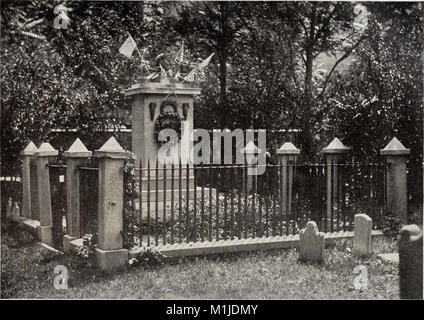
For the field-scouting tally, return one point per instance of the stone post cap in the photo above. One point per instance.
(250, 148)
(29, 150)
(335, 147)
(150, 87)
(77, 150)
(46, 150)
(111, 149)
(288, 148)
(409, 231)
(394, 147)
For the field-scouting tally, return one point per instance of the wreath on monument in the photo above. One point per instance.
(168, 120)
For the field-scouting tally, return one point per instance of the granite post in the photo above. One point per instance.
(396, 181)
(27, 154)
(109, 252)
(75, 155)
(287, 155)
(44, 230)
(333, 154)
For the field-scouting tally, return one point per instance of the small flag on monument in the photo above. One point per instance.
(128, 47)
(163, 73)
(205, 62)
(190, 77)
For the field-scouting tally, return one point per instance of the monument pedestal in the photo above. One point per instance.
(149, 101)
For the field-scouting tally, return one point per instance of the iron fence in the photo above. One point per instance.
(89, 186)
(57, 174)
(185, 203)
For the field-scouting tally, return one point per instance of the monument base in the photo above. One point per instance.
(45, 234)
(67, 242)
(111, 259)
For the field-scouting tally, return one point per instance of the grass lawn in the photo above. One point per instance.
(27, 272)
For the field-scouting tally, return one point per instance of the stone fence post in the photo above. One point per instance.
(250, 151)
(411, 262)
(287, 155)
(74, 157)
(27, 154)
(109, 252)
(44, 197)
(333, 154)
(396, 183)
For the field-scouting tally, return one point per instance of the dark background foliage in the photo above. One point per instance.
(277, 65)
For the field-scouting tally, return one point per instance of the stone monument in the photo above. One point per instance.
(150, 100)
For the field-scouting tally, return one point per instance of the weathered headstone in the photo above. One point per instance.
(9, 208)
(15, 211)
(411, 262)
(362, 235)
(312, 243)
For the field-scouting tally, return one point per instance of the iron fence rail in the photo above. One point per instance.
(57, 174)
(186, 203)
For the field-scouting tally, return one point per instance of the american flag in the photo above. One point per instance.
(205, 62)
(128, 47)
(199, 68)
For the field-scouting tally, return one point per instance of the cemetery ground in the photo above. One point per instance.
(27, 272)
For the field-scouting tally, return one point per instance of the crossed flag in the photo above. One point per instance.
(130, 45)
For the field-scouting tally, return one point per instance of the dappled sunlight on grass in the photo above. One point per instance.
(27, 272)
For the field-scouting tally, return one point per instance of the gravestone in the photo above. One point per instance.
(411, 262)
(9, 208)
(312, 243)
(362, 235)
(15, 211)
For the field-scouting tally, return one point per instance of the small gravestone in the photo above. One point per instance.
(15, 211)
(312, 243)
(9, 208)
(411, 262)
(362, 235)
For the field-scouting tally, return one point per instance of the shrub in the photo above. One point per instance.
(391, 226)
(88, 249)
(131, 192)
(148, 256)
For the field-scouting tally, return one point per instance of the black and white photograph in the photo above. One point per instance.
(211, 155)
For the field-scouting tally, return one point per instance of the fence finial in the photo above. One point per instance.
(395, 147)
(46, 150)
(29, 150)
(288, 148)
(111, 149)
(78, 150)
(250, 148)
(335, 146)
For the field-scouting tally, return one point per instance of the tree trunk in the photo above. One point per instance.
(306, 135)
(223, 88)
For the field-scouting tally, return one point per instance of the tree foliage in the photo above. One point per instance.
(266, 72)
